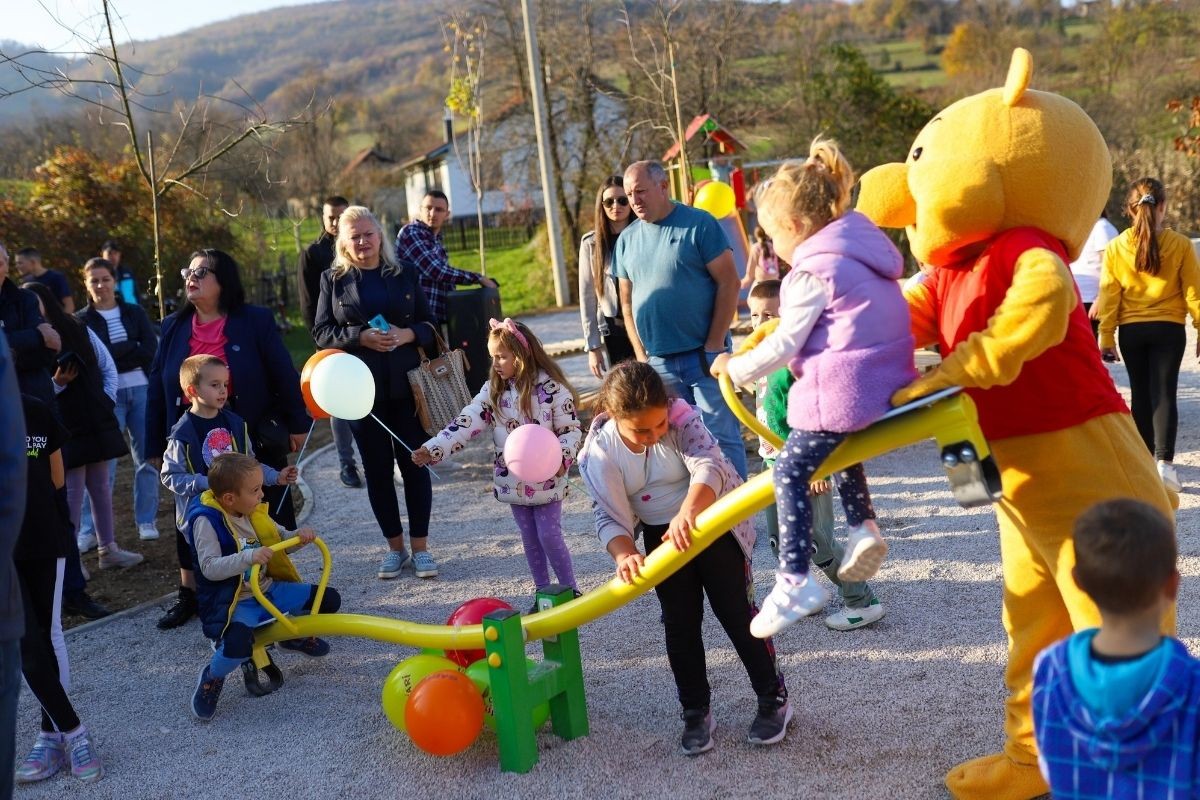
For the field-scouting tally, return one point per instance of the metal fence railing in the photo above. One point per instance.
(499, 231)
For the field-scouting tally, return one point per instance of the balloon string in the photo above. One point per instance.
(402, 444)
(299, 456)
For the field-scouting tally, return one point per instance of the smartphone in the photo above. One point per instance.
(69, 359)
(379, 323)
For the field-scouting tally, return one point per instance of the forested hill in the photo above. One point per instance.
(356, 47)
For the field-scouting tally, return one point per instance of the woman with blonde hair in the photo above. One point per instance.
(372, 307)
(1150, 282)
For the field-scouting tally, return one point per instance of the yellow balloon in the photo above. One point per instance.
(400, 683)
(716, 198)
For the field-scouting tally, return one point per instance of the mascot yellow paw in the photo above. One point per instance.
(996, 777)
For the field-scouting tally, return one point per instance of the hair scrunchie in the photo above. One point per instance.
(1147, 199)
(511, 327)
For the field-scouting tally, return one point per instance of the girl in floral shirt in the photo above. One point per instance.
(526, 387)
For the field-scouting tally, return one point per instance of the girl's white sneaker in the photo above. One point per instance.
(788, 601)
(865, 551)
(1170, 478)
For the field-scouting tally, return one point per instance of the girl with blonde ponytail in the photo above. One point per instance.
(844, 330)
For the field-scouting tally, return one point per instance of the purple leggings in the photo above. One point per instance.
(93, 477)
(541, 533)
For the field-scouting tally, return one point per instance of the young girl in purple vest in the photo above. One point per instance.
(844, 331)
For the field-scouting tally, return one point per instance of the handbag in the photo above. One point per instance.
(439, 385)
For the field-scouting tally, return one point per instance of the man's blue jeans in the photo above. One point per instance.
(131, 417)
(687, 375)
(343, 441)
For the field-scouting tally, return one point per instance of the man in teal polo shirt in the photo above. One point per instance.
(679, 289)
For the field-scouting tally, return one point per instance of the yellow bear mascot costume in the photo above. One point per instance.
(998, 193)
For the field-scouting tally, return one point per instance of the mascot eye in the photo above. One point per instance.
(916, 154)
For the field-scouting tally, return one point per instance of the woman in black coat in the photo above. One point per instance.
(366, 282)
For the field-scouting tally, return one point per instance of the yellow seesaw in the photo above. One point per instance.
(948, 417)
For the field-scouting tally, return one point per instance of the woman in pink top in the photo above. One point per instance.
(264, 387)
(763, 263)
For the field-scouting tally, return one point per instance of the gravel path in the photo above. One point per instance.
(883, 711)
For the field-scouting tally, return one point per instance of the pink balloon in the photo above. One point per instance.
(533, 453)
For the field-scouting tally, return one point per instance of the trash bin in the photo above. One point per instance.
(467, 315)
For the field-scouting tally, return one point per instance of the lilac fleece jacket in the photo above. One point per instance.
(844, 329)
(701, 455)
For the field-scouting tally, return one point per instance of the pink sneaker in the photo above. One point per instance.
(85, 759)
(47, 757)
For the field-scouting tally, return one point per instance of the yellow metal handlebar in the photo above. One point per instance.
(272, 609)
(730, 393)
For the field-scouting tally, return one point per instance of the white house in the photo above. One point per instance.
(514, 183)
(440, 169)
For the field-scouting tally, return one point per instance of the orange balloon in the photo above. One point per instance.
(444, 713)
(314, 410)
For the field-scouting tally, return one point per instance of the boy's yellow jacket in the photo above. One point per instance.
(217, 599)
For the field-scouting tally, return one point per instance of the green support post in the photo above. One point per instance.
(517, 690)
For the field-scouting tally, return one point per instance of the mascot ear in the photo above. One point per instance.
(1020, 72)
(884, 196)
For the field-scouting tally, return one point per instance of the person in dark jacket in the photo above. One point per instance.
(314, 260)
(264, 385)
(12, 513)
(35, 344)
(126, 332)
(32, 340)
(367, 282)
(86, 383)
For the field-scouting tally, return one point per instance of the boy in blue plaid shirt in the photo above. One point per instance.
(1116, 709)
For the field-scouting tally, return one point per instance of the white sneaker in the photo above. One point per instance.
(788, 602)
(849, 619)
(147, 532)
(865, 551)
(113, 556)
(86, 542)
(1170, 478)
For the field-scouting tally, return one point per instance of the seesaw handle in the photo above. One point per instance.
(272, 609)
(729, 392)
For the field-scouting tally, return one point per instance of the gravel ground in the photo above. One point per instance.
(881, 711)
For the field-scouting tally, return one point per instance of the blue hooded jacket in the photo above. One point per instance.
(1145, 748)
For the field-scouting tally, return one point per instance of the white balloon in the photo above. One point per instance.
(343, 386)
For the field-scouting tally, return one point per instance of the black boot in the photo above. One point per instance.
(82, 605)
(183, 610)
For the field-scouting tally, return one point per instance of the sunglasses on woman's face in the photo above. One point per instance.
(198, 273)
(609, 202)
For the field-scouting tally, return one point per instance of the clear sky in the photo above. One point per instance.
(33, 21)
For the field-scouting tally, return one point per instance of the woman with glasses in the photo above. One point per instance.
(372, 307)
(599, 305)
(264, 387)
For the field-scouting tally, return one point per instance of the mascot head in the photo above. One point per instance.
(1004, 158)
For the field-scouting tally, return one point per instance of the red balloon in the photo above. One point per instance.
(472, 613)
(314, 410)
(444, 713)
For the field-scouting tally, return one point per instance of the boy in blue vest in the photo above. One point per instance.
(228, 531)
(1116, 709)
